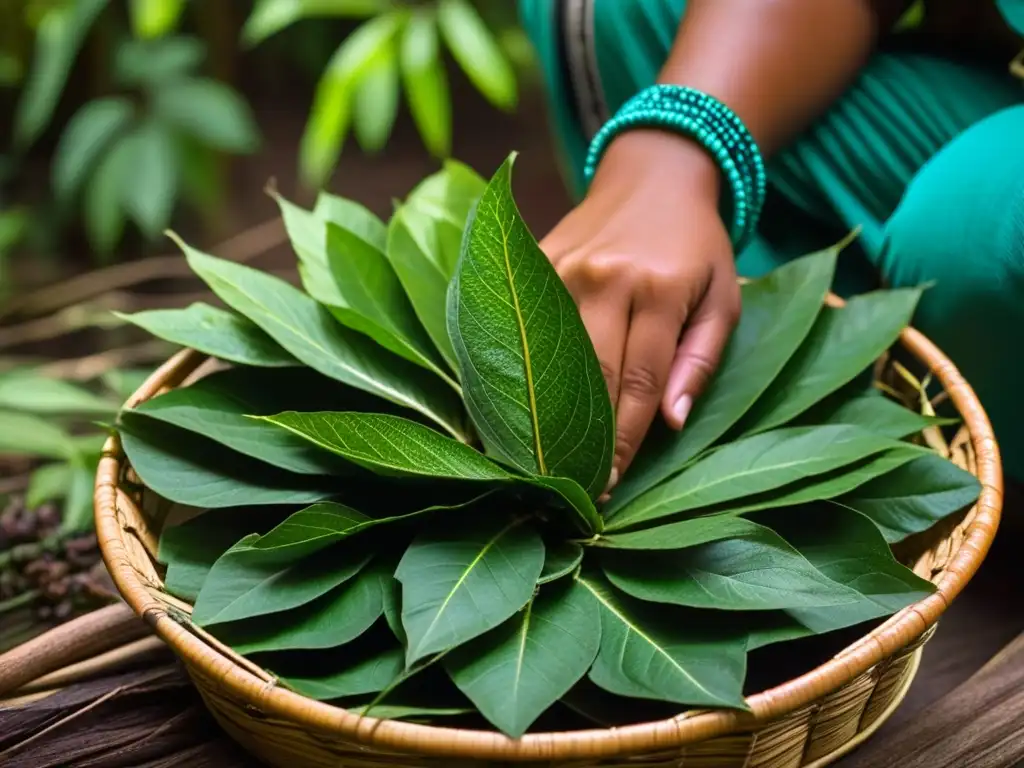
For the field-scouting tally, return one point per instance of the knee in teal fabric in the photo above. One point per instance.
(961, 226)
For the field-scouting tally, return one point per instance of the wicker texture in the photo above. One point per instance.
(804, 723)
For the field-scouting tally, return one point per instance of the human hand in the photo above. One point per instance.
(650, 264)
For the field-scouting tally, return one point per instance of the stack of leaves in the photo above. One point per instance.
(397, 480)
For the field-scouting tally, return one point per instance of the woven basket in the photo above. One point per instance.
(809, 721)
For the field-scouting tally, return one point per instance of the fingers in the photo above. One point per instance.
(700, 350)
(650, 348)
(606, 318)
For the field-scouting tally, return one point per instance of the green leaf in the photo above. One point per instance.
(414, 714)
(58, 39)
(842, 344)
(103, 199)
(685, 533)
(154, 18)
(193, 470)
(753, 465)
(393, 607)
(214, 332)
(245, 582)
(477, 52)
(86, 138)
(650, 653)
(271, 16)
(414, 250)
(356, 219)
(531, 378)
(77, 516)
(369, 675)
(220, 407)
(848, 549)
(149, 193)
(560, 559)
(758, 571)
(450, 195)
(778, 313)
(340, 616)
(123, 383)
(153, 62)
(875, 413)
(308, 331)
(461, 580)
(376, 100)
(915, 496)
(426, 84)
(515, 672)
(210, 111)
(26, 390)
(24, 434)
(49, 482)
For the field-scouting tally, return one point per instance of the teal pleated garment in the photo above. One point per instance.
(925, 154)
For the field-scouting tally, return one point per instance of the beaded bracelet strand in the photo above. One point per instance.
(711, 124)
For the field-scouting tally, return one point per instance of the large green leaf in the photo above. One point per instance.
(477, 52)
(841, 345)
(759, 571)
(353, 217)
(149, 193)
(210, 111)
(214, 332)
(450, 195)
(915, 496)
(532, 381)
(873, 412)
(779, 310)
(191, 469)
(356, 677)
(28, 390)
(308, 331)
(426, 85)
(683, 534)
(87, 136)
(462, 579)
(753, 465)
(652, 653)
(336, 618)
(847, 548)
(25, 434)
(515, 672)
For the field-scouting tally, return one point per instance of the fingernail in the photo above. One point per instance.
(613, 480)
(682, 409)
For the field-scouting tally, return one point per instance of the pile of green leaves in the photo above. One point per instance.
(396, 482)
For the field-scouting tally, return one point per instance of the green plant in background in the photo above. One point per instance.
(394, 491)
(399, 48)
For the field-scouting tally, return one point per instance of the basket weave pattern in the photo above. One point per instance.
(804, 723)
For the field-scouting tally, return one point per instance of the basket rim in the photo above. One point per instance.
(689, 727)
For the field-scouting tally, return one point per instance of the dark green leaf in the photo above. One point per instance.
(842, 344)
(86, 138)
(361, 676)
(463, 579)
(686, 533)
(150, 191)
(560, 559)
(393, 607)
(23, 434)
(153, 62)
(477, 52)
(759, 571)
(652, 653)
(875, 413)
(309, 332)
(753, 465)
(190, 469)
(426, 85)
(376, 100)
(210, 111)
(915, 496)
(515, 672)
(26, 390)
(532, 381)
(215, 332)
(778, 313)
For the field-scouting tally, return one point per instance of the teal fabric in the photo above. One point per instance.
(1013, 12)
(924, 154)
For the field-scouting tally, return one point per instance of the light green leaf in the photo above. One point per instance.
(245, 582)
(86, 138)
(778, 313)
(150, 191)
(49, 482)
(426, 84)
(308, 331)
(450, 195)
(648, 652)
(356, 219)
(27, 390)
(531, 379)
(875, 413)
(193, 470)
(154, 18)
(104, 196)
(515, 672)
(413, 714)
(58, 39)
(269, 17)
(336, 618)
(759, 571)
(369, 675)
(461, 580)
(753, 465)
(24, 434)
(123, 383)
(915, 496)
(685, 533)
(215, 332)
(210, 111)
(376, 100)
(842, 344)
(154, 62)
(477, 52)
(560, 559)
(77, 516)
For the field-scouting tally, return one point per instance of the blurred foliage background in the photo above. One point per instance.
(120, 119)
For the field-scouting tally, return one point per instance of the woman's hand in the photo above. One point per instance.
(650, 264)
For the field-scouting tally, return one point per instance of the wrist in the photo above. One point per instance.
(646, 153)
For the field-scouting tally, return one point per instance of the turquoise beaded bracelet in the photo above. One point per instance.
(711, 124)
